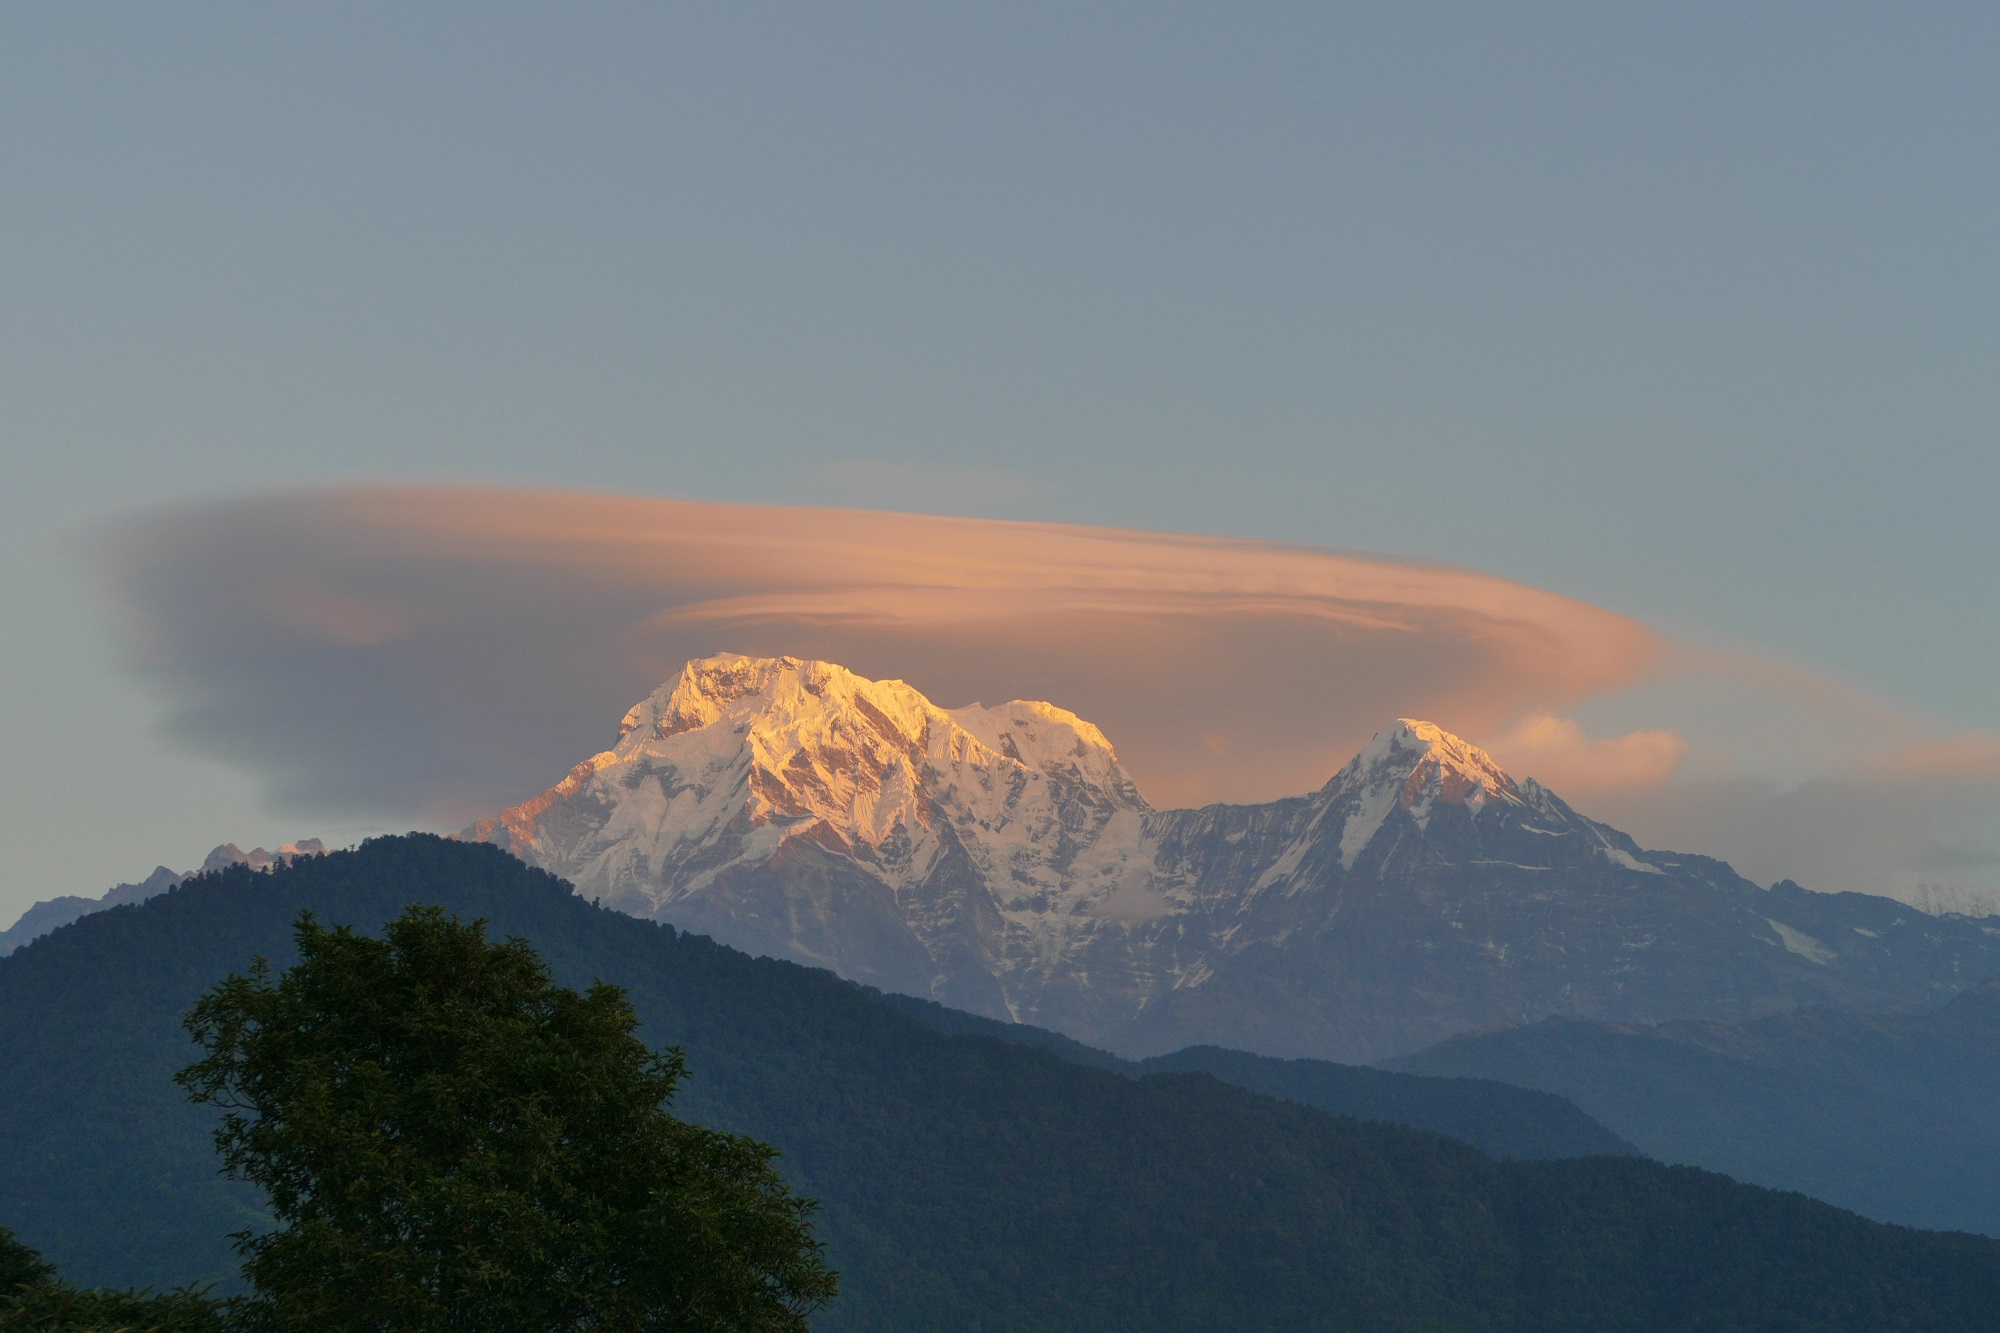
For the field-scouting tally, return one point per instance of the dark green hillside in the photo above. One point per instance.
(1497, 1118)
(1891, 1115)
(968, 1183)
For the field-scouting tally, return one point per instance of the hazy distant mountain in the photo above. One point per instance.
(52, 913)
(1001, 860)
(1497, 1118)
(1891, 1115)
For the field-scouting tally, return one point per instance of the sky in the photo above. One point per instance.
(1675, 322)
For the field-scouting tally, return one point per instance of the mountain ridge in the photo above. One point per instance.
(54, 913)
(1888, 1114)
(1002, 861)
(1501, 1120)
(965, 1182)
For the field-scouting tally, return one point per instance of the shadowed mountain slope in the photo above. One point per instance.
(1892, 1115)
(968, 1183)
(1497, 1118)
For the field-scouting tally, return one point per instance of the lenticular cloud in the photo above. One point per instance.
(447, 651)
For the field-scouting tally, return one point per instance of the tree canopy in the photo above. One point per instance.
(34, 1299)
(449, 1140)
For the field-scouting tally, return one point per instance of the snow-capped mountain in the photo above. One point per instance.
(741, 757)
(1002, 860)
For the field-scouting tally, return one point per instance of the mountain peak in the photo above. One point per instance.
(737, 756)
(709, 689)
(782, 699)
(1409, 738)
(1416, 766)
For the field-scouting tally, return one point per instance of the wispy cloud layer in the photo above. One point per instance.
(1558, 752)
(449, 650)
(437, 653)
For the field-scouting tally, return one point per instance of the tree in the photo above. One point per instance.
(448, 1140)
(33, 1299)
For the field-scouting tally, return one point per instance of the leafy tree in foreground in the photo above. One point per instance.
(448, 1140)
(34, 1300)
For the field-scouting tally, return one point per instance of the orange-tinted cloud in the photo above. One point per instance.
(1556, 752)
(1789, 773)
(1964, 756)
(449, 650)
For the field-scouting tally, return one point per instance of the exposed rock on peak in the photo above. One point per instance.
(1426, 764)
(1412, 767)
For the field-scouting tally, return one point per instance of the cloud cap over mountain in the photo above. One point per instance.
(446, 651)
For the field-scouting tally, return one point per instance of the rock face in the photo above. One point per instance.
(1001, 860)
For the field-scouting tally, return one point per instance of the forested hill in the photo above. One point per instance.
(968, 1183)
(1497, 1118)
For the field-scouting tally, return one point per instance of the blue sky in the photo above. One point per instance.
(1688, 312)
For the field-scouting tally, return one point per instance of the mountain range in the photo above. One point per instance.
(995, 872)
(1888, 1114)
(1002, 861)
(48, 914)
(966, 1182)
